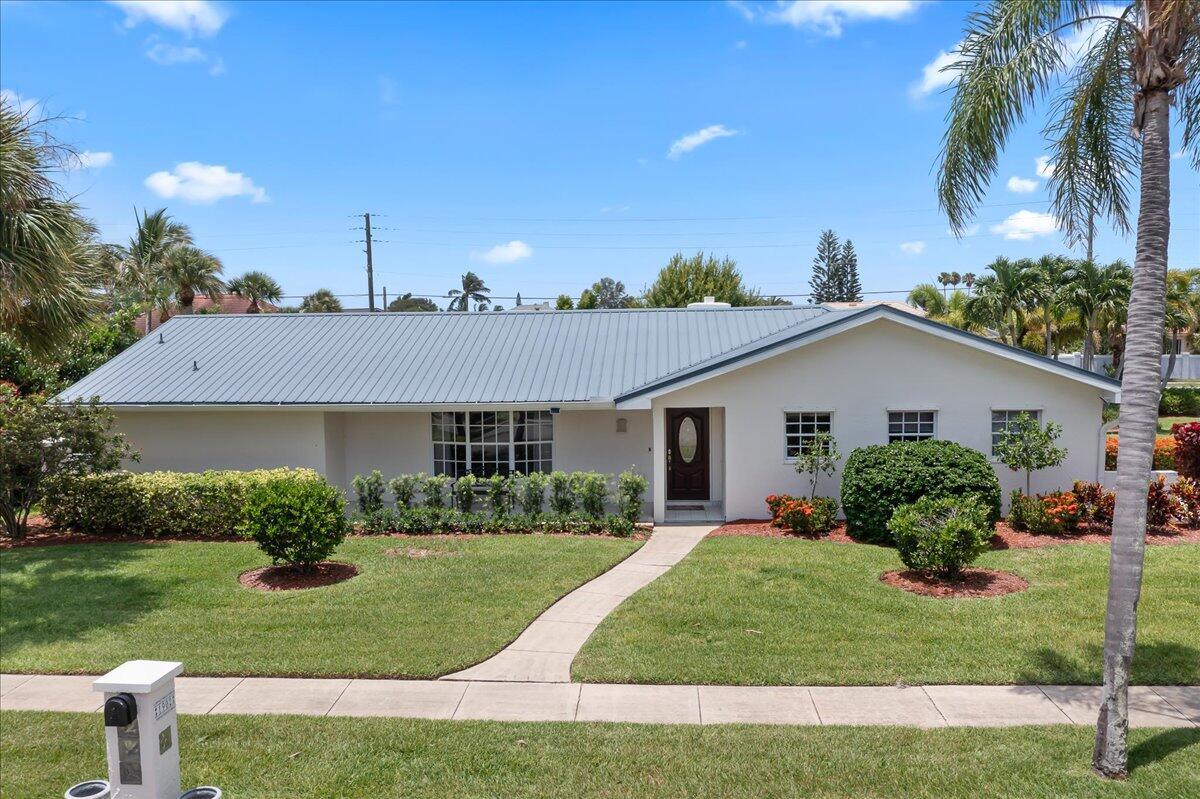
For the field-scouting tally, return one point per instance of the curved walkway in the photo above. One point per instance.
(544, 651)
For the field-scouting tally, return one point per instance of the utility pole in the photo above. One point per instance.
(385, 298)
(370, 271)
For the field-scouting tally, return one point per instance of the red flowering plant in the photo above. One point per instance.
(775, 503)
(807, 516)
(1046, 514)
(1187, 449)
(1187, 498)
(1165, 448)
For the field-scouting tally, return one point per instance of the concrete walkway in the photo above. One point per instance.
(544, 651)
(929, 706)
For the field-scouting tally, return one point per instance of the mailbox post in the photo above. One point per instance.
(140, 729)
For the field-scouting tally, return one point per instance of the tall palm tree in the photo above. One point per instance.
(145, 259)
(48, 253)
(1004, 296)
(321, 301)
(945, 279)
(1094, 291)
(258, 287)
(189, 271)
(1050, 273)
(472, 290)
(968, 280)
(1135, 65)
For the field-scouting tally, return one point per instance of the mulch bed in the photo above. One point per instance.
(42, 534)
(1006, 536)
(970, 583)
(290, 578)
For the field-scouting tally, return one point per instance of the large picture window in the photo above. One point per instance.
(910, 425)
(802, 427)
(1003, 421)
(492, 442)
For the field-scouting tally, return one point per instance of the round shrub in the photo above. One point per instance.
(941, 535)
(295, 520)
(878, 479)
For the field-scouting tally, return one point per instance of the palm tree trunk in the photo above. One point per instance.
(1049, 331)
(1140, 393)
(1089, 347)
(1174, 340)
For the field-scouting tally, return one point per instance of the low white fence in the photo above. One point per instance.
(1187, 367)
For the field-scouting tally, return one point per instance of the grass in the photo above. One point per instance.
(86, 608)
(785, 611)
(1165, 422)
(261, 757)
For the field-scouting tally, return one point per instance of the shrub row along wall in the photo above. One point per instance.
(571, 502)
(160, 504)
(1180, 401)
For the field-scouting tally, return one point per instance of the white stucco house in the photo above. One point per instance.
(709, 403)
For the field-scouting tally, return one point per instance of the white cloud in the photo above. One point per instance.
(967, 232)
(170, 54)
(827, 17)
(93, 160)
(189, 17)
(1021, 185)
(508, 253)
(20, 103)
(913, 247)
(934, 76)
(691, 141)
(1024, 225)
(1045, 169)
(1078, 39)
(195, 182)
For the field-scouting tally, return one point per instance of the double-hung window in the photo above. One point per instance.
(492, 442)
(800, 430)
(911, 425)
(1004, 421)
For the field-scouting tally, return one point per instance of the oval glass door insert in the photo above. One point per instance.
(687, 439)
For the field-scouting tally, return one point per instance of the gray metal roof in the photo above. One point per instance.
(429, 358)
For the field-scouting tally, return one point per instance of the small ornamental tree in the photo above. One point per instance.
(1027, 446)
(43, 442)
(818, 456)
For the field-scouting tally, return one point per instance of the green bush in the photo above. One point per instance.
(295, 520)
(941, 534)
(500, 494)
(434, 488)
(404, 487)
(878, 479)
(593, 489)
(532, 493)
(631, 489)
(562, 492)
(158, 504)
(464, 493)
(1180, 401)
(437, 521)
(369, 491)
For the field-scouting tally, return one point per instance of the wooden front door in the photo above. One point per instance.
(687, 453)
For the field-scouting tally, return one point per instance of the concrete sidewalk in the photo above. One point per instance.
(928, 706)
(544, 651)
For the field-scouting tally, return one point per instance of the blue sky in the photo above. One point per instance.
(540, 145)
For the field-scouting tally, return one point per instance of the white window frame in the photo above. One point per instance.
(786, 435)
(904, 436)
(1013, 415)
(467, 445)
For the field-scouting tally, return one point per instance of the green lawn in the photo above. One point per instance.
(1165, 422)
(86, 608)
(785, 611)
(260, 757)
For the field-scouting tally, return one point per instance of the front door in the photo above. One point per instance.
(687, 453)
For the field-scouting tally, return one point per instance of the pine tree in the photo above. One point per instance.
(826, 266)
(518, 298)
(851, 286)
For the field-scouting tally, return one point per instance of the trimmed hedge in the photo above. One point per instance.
(160, 504)
(432, 521)
(878, 479)
(1180, 401)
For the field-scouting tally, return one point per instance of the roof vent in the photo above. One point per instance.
(709, 302)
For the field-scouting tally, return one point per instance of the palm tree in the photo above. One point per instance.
(48, 253)
(968, 280)
(321, 301)
(258, 287)
(408, 302)
(1181, 312)
(945, 278)
(1094, 291)
(955, 279)
(1134, 67)
(1003, 297)
(927, 297)
(472, 290)
(1050, 273)
(144, 264)
(189, 271)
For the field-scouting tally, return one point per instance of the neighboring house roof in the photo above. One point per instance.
(426, 358)
(897, 304)
(229, 304)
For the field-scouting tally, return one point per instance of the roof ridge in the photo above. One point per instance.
(506, 312)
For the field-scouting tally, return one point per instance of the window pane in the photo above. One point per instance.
(801, 428)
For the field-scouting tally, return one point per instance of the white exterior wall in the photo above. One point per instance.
(902, 369)
(192, 440)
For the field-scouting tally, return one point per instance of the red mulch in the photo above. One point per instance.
(1005, 538)
(970, 583)
(288, 578)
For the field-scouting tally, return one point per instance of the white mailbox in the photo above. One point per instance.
(140, 729)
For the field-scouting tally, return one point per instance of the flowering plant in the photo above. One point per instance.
(1046, 514)
(1187, 497)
